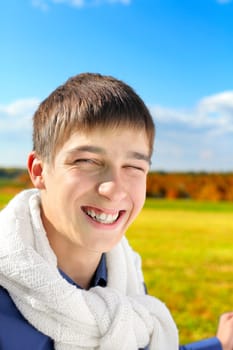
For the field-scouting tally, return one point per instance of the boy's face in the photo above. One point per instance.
(96, 186)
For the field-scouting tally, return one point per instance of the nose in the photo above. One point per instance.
(112, 190)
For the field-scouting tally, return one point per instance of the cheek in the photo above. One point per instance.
(138, 196)
(140, 203)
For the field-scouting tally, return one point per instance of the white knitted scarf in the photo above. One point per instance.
(118, 317)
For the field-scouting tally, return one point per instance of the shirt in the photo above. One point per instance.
(16, 333)
(206, 344)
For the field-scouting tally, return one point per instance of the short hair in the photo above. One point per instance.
(83, 103)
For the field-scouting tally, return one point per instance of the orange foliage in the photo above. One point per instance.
(202, 186)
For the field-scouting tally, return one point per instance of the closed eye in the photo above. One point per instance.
(87, 161)
(84, 160)
(136, 168)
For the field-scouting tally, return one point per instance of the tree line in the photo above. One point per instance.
(200, 186)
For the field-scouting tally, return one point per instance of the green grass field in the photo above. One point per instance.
(187, 252)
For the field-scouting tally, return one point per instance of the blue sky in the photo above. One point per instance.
(177, 54)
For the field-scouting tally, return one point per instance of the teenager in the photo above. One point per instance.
(69, 278)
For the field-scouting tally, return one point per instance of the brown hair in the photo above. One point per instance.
(85, 102)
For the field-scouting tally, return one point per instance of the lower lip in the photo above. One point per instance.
(103, 226)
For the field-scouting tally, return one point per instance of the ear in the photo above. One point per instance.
(35, 169)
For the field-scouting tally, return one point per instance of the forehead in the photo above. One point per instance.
(108, 140)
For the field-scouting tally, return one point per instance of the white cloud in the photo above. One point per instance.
(219, 102)
(214, 113)
(44, 4)
(198, 138)
(17, 115)
(16, 131)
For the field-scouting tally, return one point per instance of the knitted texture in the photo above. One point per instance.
(117, 317)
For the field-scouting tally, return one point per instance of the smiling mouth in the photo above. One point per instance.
(102, 217)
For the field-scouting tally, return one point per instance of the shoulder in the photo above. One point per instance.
(206, 344)
(12, 322)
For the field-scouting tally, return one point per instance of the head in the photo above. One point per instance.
(93, 140)
(86, 102)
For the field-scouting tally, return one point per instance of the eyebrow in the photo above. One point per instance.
(139, 155)
(87, 148)
(100, 150)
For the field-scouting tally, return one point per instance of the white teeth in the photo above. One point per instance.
(103, 217)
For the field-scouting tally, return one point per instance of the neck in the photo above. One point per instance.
(78, 266)
(76, 262)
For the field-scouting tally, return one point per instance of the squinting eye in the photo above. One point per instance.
(87, 161)
(84, 160)
(132, 167)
